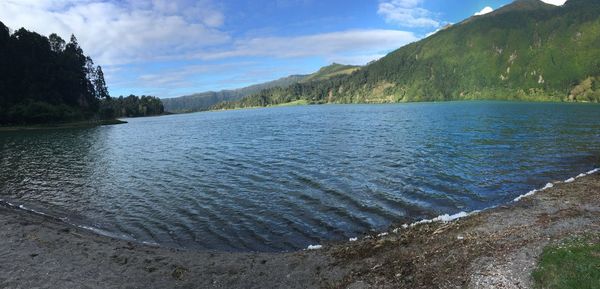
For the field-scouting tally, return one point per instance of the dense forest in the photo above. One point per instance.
(204, 100)
(527, 50)
(46, 79)
(131, 106)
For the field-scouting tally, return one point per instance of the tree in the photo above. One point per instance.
(90, 72)
(4, 67)
(4, 34)
(57, 44)
(100, 84)
(81, 93)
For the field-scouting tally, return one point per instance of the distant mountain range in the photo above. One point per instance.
(204, 100)
(527, 50)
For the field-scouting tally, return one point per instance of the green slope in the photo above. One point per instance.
(527, 50)
(330, 71)
(204, 100)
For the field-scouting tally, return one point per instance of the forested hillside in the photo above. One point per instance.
(203, 101)
(45, 79)
(527, 50)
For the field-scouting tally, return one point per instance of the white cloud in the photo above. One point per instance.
(407, 13)
(121, 32)
(329, 45)
(406, 3)
(172, 78)
(484, 11)
(134, 40)
(124, 31)
(555, 2)
(348, 47)
(358, 59)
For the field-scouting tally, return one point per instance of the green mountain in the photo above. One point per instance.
(527, 50)
(203, 101)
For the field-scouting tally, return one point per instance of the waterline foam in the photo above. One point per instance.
(446, 218)
(66, 220)
(533, 192)
(550, 185)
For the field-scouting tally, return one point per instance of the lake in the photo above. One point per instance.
(280, 179)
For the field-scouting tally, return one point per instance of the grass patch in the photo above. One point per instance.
(572, 264)
(292, 103)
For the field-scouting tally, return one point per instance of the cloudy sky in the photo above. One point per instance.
(171, 48)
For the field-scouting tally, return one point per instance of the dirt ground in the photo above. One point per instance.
(497, 248)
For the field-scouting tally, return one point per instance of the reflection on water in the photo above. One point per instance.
(283, 178)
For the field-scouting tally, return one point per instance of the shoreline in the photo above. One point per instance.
(498, 241)
(394, 228)
(66, 125)
(292, 104)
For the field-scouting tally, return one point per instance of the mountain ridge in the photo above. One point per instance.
(518, 53)
(204, 100)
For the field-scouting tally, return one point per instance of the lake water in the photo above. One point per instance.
(283, 178)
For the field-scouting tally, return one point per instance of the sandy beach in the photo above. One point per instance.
(496, 248)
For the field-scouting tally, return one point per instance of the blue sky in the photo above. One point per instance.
(171, 48)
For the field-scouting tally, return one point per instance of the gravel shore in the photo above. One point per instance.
(497, 248)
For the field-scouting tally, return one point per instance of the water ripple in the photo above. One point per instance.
(281, 179)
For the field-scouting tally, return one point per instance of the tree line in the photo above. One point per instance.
(131, 106)
(47, 79)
